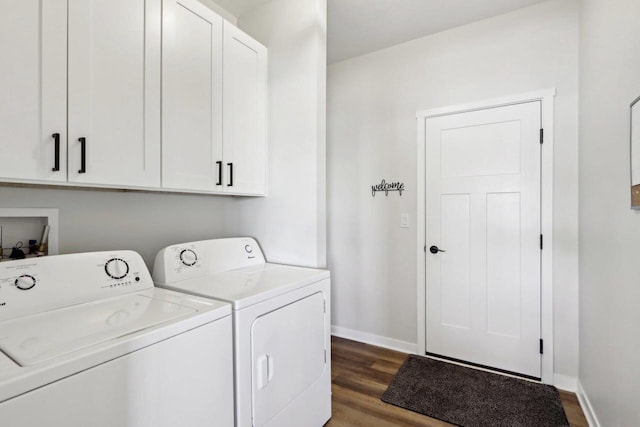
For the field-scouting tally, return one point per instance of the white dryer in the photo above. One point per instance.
(87, 340)
(281, 327)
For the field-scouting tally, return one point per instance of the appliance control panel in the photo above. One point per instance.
(198, 259)
(34, 285)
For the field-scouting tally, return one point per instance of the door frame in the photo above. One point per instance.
(546, 98)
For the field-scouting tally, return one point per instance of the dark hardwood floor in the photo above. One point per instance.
(362, 372)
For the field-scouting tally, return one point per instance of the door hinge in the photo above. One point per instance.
(425, 249)
(325, 356)
(541, 346)
(324, 306)
(541, 136)
(541, 242)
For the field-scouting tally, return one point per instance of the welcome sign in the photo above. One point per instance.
(386, 187)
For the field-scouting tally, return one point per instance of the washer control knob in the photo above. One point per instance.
(248, 248)
(188, 257)
(116, 268)
(25, 282)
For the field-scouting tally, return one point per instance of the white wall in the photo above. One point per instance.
(92, 220)
(290, 223)
(609, 230)
(372, 101)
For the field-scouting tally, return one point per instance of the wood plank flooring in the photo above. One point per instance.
(362, 372)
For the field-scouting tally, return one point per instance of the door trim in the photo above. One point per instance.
(546, 98)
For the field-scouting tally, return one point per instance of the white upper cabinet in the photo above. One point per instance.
(191, 97)
(245, 100)
(114, 92)
(142, 94)
(33, 90)
(214, 80)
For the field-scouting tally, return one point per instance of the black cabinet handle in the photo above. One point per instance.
(230, 184)
(83, 155)
(219, 173)
(56, 159)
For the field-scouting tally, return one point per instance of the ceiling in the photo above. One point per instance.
(357, 27)
(239, 7)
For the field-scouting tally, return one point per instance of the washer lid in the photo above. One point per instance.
(250, 285)
(34, 339)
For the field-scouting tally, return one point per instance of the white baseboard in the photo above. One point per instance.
(589, 413)
(565, 382)
(377, 340)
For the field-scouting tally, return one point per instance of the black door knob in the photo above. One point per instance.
(435, 250)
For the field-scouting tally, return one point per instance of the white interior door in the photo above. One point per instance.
(483, 211)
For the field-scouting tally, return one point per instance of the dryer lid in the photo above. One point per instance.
(38, 338)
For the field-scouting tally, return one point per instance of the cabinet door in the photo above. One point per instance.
(191, 97)
(33, 89)
(245, 98)
(114, 92)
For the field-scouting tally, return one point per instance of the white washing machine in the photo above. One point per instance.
(281, 324)
(87, 340)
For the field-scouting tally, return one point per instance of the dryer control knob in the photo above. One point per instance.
(248, 248)
(188, 257)
(116, 268)
(25, 282)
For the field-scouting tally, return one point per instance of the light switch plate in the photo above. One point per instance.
(404, 220)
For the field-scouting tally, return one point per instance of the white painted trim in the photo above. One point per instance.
(490, 103)
(546, 98)
(587, 408)
(546, 228)
(421, 241)
(377, 340)
(52, 220)
(565, 382)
